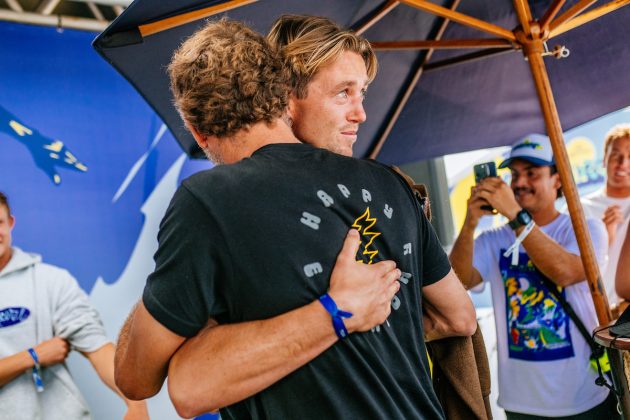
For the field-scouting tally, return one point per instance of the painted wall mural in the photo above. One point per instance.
(89, 169)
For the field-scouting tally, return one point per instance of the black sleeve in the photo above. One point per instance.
(435, 263)
(183, 291)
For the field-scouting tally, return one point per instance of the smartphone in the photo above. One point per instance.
(485, 170)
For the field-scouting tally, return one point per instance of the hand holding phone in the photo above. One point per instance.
(482, 171)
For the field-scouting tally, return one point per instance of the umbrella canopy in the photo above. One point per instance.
(465, 99)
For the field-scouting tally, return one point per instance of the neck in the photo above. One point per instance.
(244, 143)
(615, 192)
(5, 258)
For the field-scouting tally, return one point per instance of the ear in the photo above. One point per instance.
(557, 183)
(292, 106)
(201, 139)
(11, 221)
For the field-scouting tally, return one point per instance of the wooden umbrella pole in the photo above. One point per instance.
(533, 51)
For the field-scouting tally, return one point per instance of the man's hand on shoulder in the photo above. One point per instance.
(364, 290)
(53, 351)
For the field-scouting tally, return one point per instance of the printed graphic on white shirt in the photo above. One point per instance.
(538, 327)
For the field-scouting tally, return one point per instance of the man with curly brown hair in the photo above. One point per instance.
(300, 332)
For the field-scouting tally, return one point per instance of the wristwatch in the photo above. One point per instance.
(522, 219)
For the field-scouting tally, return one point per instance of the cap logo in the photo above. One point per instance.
(527, 143)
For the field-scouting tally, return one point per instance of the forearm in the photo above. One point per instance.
(461, 257)
(447, 310)
(103, 362)
(436, 328)
(228, 363)
(562, 267)
(13, 366)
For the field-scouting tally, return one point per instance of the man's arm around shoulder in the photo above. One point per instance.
(225, 364)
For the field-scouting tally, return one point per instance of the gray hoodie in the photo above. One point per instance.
(37, 302)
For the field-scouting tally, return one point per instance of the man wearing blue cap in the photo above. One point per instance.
(543, 359)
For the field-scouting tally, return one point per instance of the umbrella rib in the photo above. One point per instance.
(184, 18)
(410, 87)
(461, 18)
(587, 17)
(380, 14)
(573, 11)
(442, 44)
(550, 14)
(465, 58)
(524, 15)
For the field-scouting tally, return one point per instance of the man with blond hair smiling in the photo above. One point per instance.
(328, 67)
(611, 204)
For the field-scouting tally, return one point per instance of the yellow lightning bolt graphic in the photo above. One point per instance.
(364, 224)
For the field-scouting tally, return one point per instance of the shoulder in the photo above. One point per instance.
(597, 228)
(595, 196)
(52, 274)
(594, 203)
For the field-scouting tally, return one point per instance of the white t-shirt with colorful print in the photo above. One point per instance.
(543, 359)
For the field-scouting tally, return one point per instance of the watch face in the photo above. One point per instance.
(524, 217)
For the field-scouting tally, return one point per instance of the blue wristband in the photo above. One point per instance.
(37, 372)
(337, 315)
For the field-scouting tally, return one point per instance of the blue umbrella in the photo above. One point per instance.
(465, 99)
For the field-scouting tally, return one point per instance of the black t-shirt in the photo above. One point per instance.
(259, 238)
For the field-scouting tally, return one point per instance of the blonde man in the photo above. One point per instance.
(612, 205)
(326, 64)
(303, 333)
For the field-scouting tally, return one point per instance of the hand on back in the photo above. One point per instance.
(364, 290)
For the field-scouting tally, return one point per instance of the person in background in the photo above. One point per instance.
(611, 204)
(43, 315)
(543, 359)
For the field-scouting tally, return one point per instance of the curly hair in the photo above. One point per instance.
(620, 131)
(226, 77)
(309, 43)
